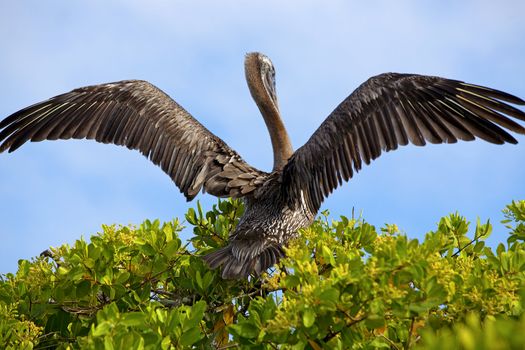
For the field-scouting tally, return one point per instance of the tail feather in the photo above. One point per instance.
(235, 268)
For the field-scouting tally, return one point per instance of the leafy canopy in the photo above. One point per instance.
(344, 285)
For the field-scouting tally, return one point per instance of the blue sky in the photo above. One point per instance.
(54, 192)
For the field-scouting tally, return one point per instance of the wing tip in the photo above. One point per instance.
(498, 94)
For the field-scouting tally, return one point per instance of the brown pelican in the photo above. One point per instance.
(386, 111)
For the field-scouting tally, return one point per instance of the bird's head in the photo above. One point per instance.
(261, 73)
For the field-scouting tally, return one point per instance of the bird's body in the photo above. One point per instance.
(383, 113)
(267, 224)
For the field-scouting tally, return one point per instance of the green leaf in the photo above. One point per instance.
(168, 231)
(244, 330)
(102, 329)
(191, 336)
(198, 279)
(478, 247)
(500, 249)
(380, 343)
(308, 318)
(148, 250)
(89, 263)
(329, 298)
(108, 343)
(166, 343)
(172, 247)
(196, 315)
(132, 319)
(191, 217)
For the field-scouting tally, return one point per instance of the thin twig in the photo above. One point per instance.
(392, 344)
(460, 249)
(410, 331)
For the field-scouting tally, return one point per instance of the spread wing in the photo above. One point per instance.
(138, 115)
(389, 110)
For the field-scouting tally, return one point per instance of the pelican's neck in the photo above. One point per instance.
(261, 84)
(281, 145)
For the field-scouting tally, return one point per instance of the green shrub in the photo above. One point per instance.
(344, 285)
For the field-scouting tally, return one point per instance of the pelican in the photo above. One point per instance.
(386, 111)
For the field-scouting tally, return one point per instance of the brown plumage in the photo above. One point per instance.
(386, 111)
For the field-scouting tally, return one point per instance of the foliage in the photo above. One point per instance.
(343, 285)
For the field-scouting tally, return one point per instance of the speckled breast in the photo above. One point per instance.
(270, 218)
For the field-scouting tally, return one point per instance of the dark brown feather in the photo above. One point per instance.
(390, 110)
(139, 116)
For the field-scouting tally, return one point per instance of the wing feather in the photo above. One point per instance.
(390, 110)
(140, 116)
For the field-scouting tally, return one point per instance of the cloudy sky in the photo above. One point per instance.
(54, 192)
